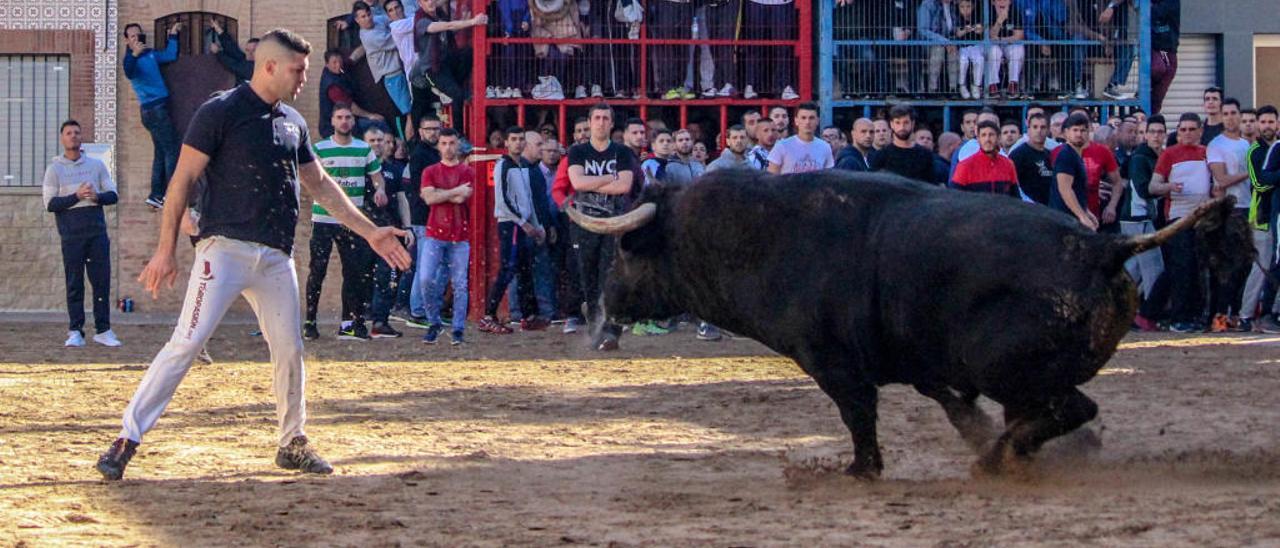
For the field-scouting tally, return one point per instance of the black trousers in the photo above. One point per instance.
(516, 251)
(357, 269)
(564, 259)
(92, 254)
(669, 20)
(1184, 277)
(595, 254)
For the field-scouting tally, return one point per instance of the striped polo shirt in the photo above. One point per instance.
(348, 165)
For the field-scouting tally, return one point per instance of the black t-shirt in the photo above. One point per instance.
(611, 161)
(913, 163)
(254, 149)
(421, 156)
(392, 174)
(1010, 24)
(1070, 163)
(1035, 172)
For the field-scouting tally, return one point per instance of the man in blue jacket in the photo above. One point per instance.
(142, 68)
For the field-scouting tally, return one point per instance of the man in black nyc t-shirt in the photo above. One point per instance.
(254, 150)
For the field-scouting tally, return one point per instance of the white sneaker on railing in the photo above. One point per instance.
(726, 91)
(490, 92)
(749, 92)
(74, 339)
(789, 94)
(964, 92)
(596, 91)
(580, 92)
(107, 338)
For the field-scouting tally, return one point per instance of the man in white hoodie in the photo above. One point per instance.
(75, 189)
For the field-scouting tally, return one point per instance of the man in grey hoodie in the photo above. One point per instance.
(75, 189)
(734, 155)
(518, 231)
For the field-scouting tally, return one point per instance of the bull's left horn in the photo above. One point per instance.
(621, 224)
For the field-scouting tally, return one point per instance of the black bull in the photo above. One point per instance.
(868, 279)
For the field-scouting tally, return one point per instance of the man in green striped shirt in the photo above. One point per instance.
(348, 160)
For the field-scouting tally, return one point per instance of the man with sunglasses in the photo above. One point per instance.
(1182, 173)
(422, 154)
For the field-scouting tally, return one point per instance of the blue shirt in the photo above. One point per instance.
(143, 73)
(1069, 162)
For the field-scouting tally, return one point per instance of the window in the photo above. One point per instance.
(35, 98)
(196, 35)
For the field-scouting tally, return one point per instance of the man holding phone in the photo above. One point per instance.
(142, 68)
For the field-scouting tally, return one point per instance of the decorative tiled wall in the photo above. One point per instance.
(98, 16)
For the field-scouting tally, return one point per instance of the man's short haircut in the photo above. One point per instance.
(1010, 122)
(1213, 89)
(513, 130)
(384, 4)
(737, 127)
(988, 124)
(807, 105)
(1268, 109)
(1231, 101)
(1037, 116)
(1060, 116)
(67, 123)
(373, 129)
(776, 107)
(580, 120)
(290, 40)
(987, 110)
(256, 40)
(1077, 119)
(359, 6)
(902, 110)
(342, 106)
(427, 118)
(833, 126)
(604, 107)
(1252, 111)
(128, 26)
(662, 131)
(448, 132)
(635, 121)
(743, 118)
(1189, 117)
(1080, 109)
(1157, 119)
(1137, 110)
(682, 130)
(331, 53)
(967, 112)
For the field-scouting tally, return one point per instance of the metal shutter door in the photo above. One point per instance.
(1197, 70)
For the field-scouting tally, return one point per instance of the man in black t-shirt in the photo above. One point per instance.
(1032, 160)
(422, 154)
(601, 174)
(395, 213)
(904, 157)
(253, 150)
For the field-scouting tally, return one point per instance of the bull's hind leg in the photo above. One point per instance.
(1029, 426)
(856, 398)
(974, 425)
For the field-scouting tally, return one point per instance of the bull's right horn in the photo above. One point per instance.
(621, 224)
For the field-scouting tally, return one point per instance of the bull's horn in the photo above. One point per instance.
(614, 225)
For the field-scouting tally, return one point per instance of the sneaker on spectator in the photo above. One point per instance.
(580, 92)
(492, 325)
(596, 91)
(490, 92)
(74, 338)
(1245, 325)
(1014, 93)
(1219, 324)
(156, 202)
(534, 324)
(354, 332)
(112, 463)
(686, 93)
(399, 314)
(300, 455)
(710, 93)
(975, 91)
(993, 91)
(107, 338)
(789, 94)
(1268, 324)
(548, 90)
(1113, 92)
(708, 332)
(671, 94)
(648, 328)
(433, 334)
(572, 324)
(456, 338)
(417, 322)
(964, 92)
(726, 91)
(1145, 324)
(309, 331)
(516, 94)
(383, 330)
(749, 92)
(1081, 93)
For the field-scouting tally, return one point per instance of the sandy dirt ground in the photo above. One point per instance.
(534, 440)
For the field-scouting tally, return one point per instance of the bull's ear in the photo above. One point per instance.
(646, 240)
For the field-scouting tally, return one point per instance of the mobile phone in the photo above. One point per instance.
(142, 37)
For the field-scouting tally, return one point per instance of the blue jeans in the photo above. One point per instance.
(1124, 61)
(398, 88)
(165, 145)
(458, 255)
(418, 290)
(544, 285)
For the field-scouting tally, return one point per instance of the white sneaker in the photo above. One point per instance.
(1081, 93)
(726, 91)
(964, 93)
(490, 92)
(74, 338)
(516, 94)
(749, 92)
(596, 91)
(580, 92)
(107, 338)
(710, 92)
(789, 94)
(975, 91)
(204, 356)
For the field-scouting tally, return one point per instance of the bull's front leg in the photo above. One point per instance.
(856, 397)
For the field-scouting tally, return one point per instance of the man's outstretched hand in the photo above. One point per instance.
(385, 241)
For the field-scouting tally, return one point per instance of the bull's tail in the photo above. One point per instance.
(1214, 213)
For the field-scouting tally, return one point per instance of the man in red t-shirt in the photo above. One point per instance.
(989, 170)
(446, 187)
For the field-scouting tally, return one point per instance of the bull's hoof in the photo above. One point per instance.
(864, 472)
(1082, 442)
(1001, 461)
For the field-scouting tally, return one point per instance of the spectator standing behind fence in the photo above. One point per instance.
(336, 89)
(1166, 30)
(936, 21)
(1182, 172)
(383, 57)
(142, 68)
(734, 155)
(1228, 163)
(75, 189)
(544, 275)
(834, 137)
(969, 28)
(446, 188)
(1264, 175)
(1137, 216)
(724, 20)
(423, 153)
(1031, 159)
(518, 230)
(1069, 194)
(770, 69)
(987, 171)
(1010, 134)
(1006, 31)
(1115, 18)
(238, 61)
(882, 134)
(394, 212)
(903, 156)
(856, 156)
(802, 152)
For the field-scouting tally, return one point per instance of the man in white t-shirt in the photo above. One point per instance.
(802, 152)
(1228, 162)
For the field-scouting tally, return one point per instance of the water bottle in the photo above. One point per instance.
(695, 29)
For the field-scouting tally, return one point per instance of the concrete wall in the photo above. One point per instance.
(1236, 21)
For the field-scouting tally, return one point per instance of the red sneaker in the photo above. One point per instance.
(1144, 324)
(491, 325)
